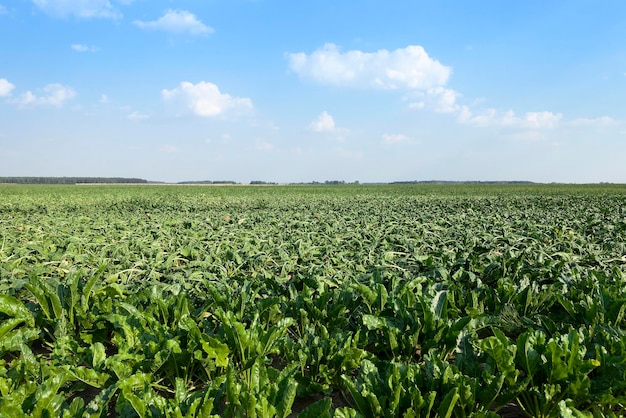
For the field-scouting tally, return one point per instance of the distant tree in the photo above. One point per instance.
(70, 180)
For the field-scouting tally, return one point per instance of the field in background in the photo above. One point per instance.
(345, 301)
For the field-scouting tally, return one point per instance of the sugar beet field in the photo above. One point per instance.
(313, 301)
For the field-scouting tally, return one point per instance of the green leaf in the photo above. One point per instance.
(287, 389)
(47, 397)
(76, 408)
(373, 322)
(346, 412)
(99, 355)
(439, 305)
(15, 309)
(319, 409)
(216, 350)
(446, 408)
(8, 325)
(86, 375)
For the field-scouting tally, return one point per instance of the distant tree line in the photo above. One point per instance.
(70, 180)
(459, 182)
(208, 182)
(327, 182)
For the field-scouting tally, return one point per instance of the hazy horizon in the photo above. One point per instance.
(291, 92)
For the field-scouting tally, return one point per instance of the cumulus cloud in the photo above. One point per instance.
(492, 117)
(404, 68)
(423, 80)
(178, 22)
(84, 9)
(53, 95)
(445, 99)
(205, 99)
(5, 87)
(439, 99)
(394, 138)
(83, 48)
(323, 123)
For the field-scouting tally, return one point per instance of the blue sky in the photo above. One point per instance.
(288, 91)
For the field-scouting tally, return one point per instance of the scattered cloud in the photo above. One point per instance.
(602, 121)
(83, 9)
(5, 87)
(492, 117)
(394, 138)
(3, 10)
(83, 48)
(264, 146)
(205, 99)
(323, 123)
(170, 149)
(539, 120)
(404, 68)
(445, 99)
(138, 116)
(411, 69)
(178, 22)
(439, 99)
(53, 95)
(104, 99)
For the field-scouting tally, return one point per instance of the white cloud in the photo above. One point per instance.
(602, 121)
(83, 48)
(205, 99)
(104, 99)
(445, 99)
(323, 123)
(3, 10)
(491, 117)
(170, 149)
(541, 120)
(5, 87)
(138, 116)
(406, 68)
(394, 138)
(54, 95)
(439, 99)
(84, 9)
(264, 146)
(177, 21)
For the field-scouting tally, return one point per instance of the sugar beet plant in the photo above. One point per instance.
(361, 301)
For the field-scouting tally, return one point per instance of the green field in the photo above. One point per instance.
(313, 301)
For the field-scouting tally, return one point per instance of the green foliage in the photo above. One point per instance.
(343, 301)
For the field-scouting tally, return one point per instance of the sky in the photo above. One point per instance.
(298, 91)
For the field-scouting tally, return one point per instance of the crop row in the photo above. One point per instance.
(343, 302)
